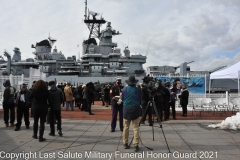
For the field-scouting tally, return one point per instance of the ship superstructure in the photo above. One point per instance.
(105, 58)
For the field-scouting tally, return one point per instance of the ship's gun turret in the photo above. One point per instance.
(184, 69)
(182, 63)
(216, 69)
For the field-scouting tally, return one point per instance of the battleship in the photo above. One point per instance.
(100, 62)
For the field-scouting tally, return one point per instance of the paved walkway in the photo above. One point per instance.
(89, 137)
(92, 139)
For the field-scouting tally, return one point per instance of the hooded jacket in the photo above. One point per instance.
(9, 93)
(55, 98)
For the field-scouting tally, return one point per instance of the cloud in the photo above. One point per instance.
(171, 31)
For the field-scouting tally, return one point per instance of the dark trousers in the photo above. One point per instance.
(159, 107)
(79, 102)
(166, 111)
(184, 109)
(7, 108)
(20, 112)
(84, 105)
(55, 114)
(115, 111)
(102, 98)
(89, 106)
(36, 116)
(147, 112)
(172, 104)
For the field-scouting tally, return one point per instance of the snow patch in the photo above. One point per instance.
(232, 123)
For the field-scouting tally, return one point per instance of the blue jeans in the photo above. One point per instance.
(69, 103)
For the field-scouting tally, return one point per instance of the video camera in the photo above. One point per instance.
(153, 85)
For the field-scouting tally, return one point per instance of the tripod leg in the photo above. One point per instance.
(160, 123)
(158, 117)
(152, 122)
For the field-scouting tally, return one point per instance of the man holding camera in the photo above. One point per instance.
(115, 92)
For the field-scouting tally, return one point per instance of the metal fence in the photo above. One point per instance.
(16, 81)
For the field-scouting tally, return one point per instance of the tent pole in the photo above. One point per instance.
(209, 85)
(238, 83)
(206, 87)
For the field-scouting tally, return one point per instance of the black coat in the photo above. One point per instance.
(89, 92)
(26, 93)
(40, 100)
(9, 93)
(106, 94)
(79, 92)
(184, 97)
(55, 98)
(145, 96)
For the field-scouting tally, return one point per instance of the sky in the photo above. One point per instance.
(169, 32)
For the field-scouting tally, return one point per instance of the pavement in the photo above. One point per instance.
(92, 139)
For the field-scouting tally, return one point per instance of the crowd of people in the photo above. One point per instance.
(130, 103)
(46, 100)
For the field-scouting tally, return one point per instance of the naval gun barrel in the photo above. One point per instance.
(216, 69)
(186, 62)
(6, 54)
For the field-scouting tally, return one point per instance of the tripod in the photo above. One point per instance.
(153, 105)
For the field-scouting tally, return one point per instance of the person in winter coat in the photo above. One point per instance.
(23, 104)
(144, 103)
(107, 94)
(84, 105)
(89, 96)
(9, 103)
(184, 94)
(55, 100)
(115, 93)
(69, 96)
(79, 96)
(31, 104)
(40, 97)
(131, 97)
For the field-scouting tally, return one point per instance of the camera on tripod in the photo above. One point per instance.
(153, 85)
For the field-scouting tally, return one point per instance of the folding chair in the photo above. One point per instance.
(220, 106)
(197, 106)
(236, 104)
(207, 105)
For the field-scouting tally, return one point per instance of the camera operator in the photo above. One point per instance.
(159, 99)
(166, 98)
(144, 101)
(116, 91)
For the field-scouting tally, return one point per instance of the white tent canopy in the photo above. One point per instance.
(228, 73)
